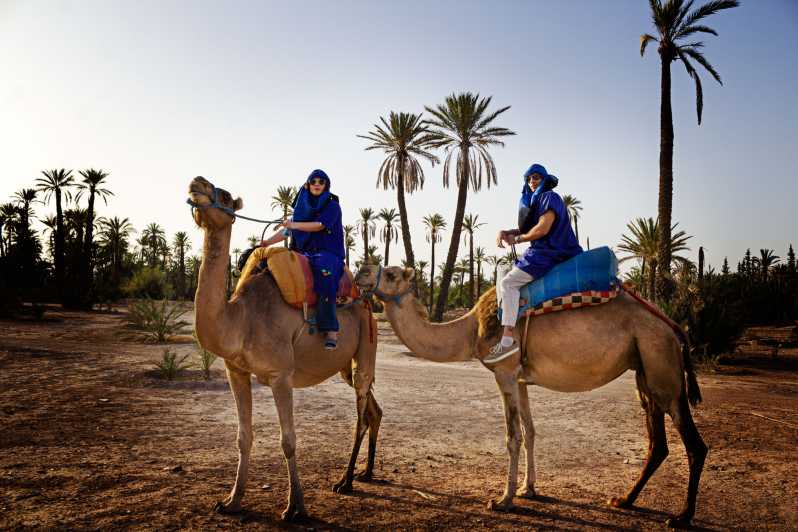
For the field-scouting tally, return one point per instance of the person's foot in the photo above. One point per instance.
(499, 352)
(331, 342)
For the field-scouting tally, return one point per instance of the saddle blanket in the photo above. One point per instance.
(294, 277)
(588, 298)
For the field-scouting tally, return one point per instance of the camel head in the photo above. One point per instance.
(385, 283)
(201, 194)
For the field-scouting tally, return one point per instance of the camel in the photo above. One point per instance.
(570, 351)
(257, 333)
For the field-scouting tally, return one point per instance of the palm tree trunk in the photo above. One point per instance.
(470, 269)
(643, 278)
(576, 227)
(451, 257)
(365, 244)
(86, 277)
(652, 295)
(181, 273)
(387, 248)
(665, 205)
(347, 256)
(400, 199)
(479, 280)
(432, 274)
(58, 259)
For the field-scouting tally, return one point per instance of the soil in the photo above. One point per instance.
(92, 438)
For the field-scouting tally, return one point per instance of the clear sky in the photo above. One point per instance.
(257, 94)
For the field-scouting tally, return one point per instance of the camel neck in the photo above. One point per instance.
(452, 341)
(210, 301)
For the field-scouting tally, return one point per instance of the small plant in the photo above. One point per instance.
(206, 359)
(157, 319)
(170, 366)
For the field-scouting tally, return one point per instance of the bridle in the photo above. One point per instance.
(382, 295)
(227, 210)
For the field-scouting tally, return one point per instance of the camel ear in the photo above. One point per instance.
(408, 274)
(238, 204)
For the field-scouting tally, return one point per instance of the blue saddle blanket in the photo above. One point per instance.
(596, 269)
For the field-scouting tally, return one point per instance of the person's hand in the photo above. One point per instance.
(500, 239)
(286, 223)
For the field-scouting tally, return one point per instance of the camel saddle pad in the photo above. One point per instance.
(588, 298)
(294, 277)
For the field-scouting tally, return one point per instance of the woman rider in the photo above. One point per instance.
(543, 221)
(318, 234)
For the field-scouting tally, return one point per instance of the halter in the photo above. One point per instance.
(382, 295)
(227, 210)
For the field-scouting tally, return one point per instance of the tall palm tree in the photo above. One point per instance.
(435, 225)
(51, 226)
(284, 200)
(463, 127)
(767, 259)
(404, 138)
(349, 240)
(114, 233)
(193, 265)
(253, 241)
(573, 206)
(92, 184)
(24, 198)
(57, 183)
(389, 231)
(495, 261)
(675, 23)
(8, 213)
(643, 245)
(153, 239)
(479, 258)
(180, 243)
(367, 227)
(471, 224)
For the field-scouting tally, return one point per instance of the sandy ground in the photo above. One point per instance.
(90, 438)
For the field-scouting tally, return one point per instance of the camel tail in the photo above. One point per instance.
(693, 389)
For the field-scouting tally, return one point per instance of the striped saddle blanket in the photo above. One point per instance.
(587, 298)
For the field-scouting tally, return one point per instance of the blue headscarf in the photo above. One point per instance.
(308, 206)
(528, 200)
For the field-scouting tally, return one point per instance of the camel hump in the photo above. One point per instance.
(293, 275)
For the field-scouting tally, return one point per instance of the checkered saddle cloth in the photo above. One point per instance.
(588, 298)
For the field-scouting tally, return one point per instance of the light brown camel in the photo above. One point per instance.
(569, 351)
(257, 333)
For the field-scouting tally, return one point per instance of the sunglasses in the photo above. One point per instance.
(317, 181)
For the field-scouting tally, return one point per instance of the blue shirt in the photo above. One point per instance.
(558, 245)
(331, 238)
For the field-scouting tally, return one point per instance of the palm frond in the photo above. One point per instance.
(644, 40)
(701, 60)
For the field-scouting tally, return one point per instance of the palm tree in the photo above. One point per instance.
(643, 245)
(91, 185)
(471, 224)
(675, 23)
(253, 241)
(573, 206)
(479, 258)
(404, 137)
(8, 213)
(495, 261)
(367, 227)
(57, 183)
(193, 265)
(51, 224)
(767, 258)
(24, 198)
(462, 125)
(75, 224)
(180, 243)
(389, 231)
(284, 200)
(435, 224)
(114, 235)
(153, 239)
(349, 240)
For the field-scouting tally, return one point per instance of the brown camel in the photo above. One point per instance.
(570, 351)
(257, 333)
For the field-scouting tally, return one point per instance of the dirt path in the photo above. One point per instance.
(89, 437)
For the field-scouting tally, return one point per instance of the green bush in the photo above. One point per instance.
(169, 366)
(206, 359)
(158, 319)
(148, 282)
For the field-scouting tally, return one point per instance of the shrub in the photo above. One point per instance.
(206, 359)
(158, 319)
(169, 365)
(149, 283)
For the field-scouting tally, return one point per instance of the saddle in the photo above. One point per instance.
(291, 271)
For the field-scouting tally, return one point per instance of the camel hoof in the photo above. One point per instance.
(294, 513)
(527, 493)
(680, 521)
(500, 505)
(620, 502)
(226, 508)
(364, 476)
(343, 486)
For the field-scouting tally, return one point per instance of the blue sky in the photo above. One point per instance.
(256, 94)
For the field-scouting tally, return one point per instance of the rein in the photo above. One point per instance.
(227, 210)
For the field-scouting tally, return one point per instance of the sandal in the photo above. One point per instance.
(330, 344)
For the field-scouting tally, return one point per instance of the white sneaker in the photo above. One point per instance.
(498, 352)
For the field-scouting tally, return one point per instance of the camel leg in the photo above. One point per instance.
(507, 379)
(373, 418)
(657, 446)
(282, 390)
(696, 455)
(344, 485)
(241, 387)
(528, 428)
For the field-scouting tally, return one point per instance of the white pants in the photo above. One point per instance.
(508, 290)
